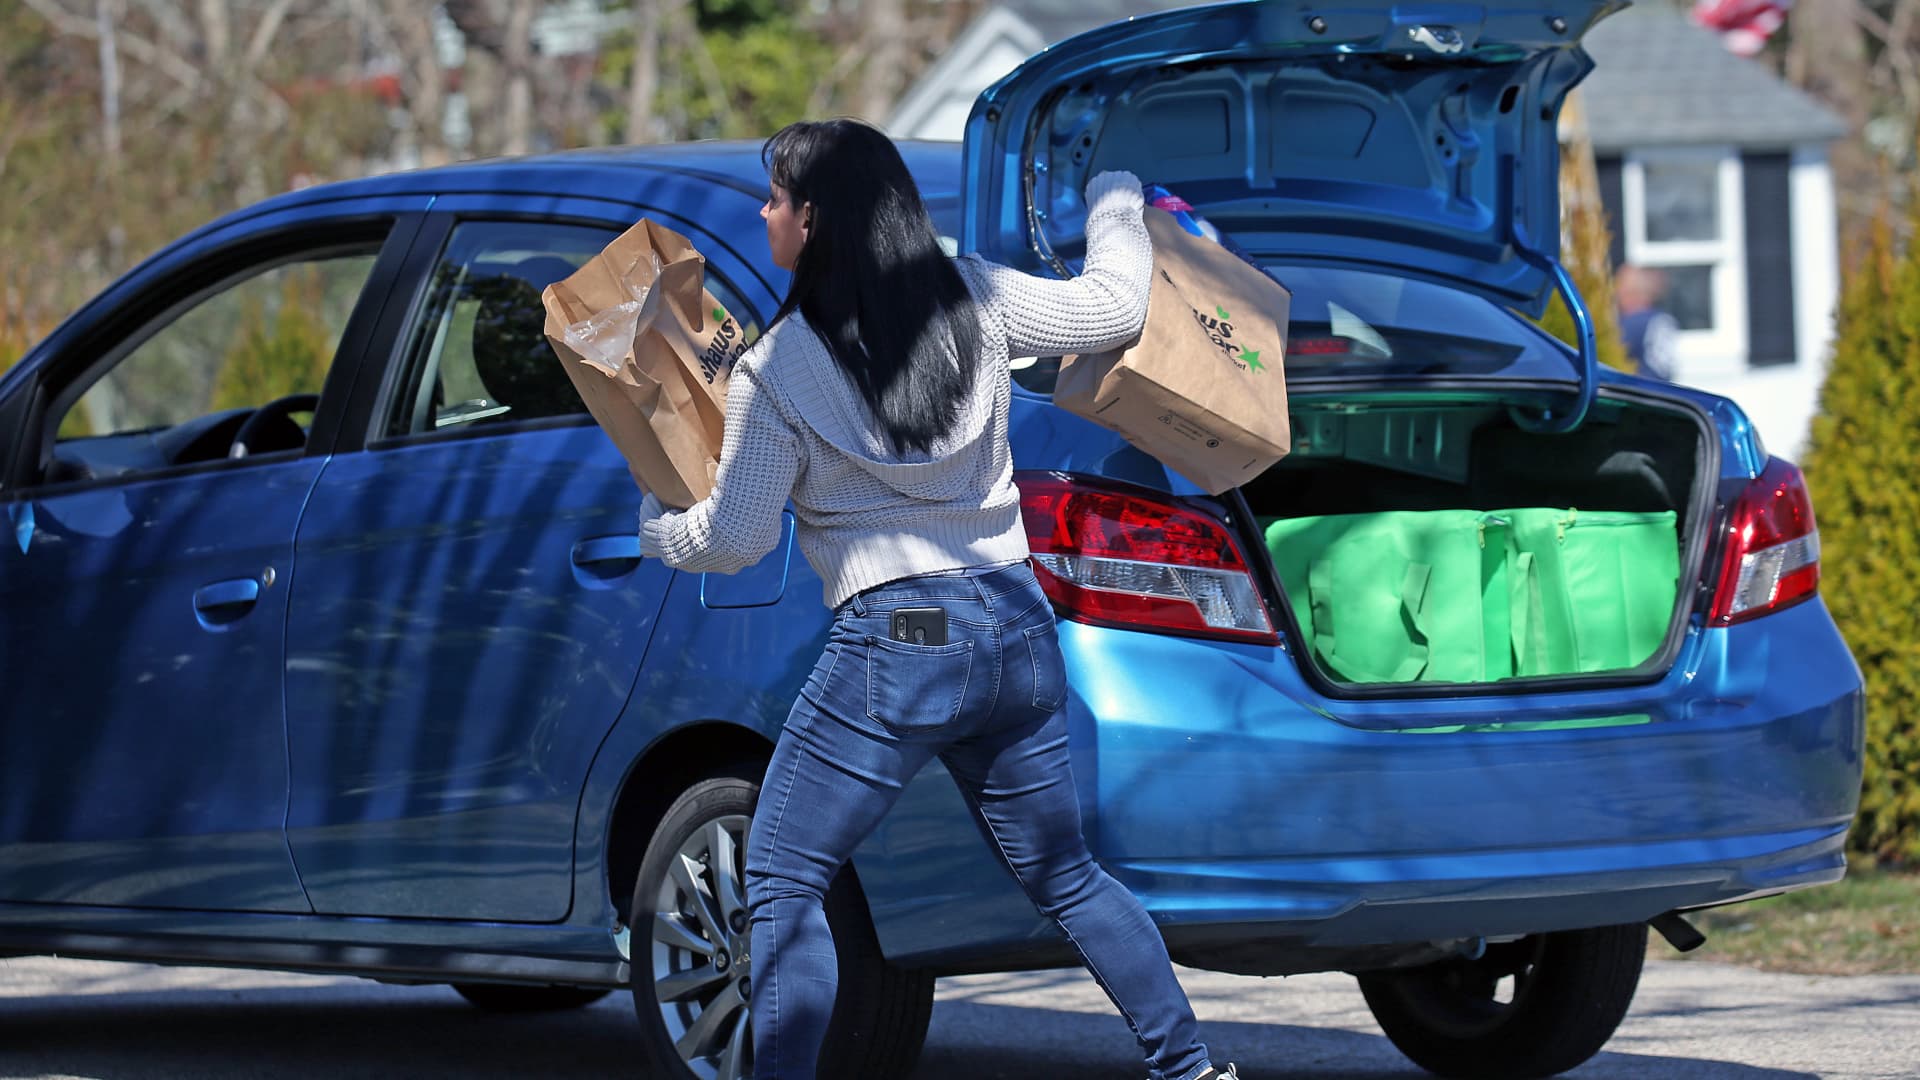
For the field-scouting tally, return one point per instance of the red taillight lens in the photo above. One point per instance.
(1118, 555)
(1773, 548)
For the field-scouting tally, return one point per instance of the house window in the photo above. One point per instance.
(1683, 216)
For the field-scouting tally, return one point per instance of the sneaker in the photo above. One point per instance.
(1215, 1074)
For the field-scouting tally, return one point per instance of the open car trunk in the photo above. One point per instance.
(1438, 542)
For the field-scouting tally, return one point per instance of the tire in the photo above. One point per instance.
(502, 998)
(699, 1026)
(1570, 990)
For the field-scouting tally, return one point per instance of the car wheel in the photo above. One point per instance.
(1528, 1008)
(691, 972)
(502, 998)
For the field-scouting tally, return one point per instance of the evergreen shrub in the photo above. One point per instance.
(1861, 469)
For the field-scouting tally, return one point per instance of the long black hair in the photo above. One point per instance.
(872, 280)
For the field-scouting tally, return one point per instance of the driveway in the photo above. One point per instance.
(67, 1018)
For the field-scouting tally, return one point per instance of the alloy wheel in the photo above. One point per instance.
(701, 968)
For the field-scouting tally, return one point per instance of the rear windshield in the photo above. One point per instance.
(1356, 323)
(1350, 322)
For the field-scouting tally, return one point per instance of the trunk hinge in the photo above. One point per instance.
(1551, 421)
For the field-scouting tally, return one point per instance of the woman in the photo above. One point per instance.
(877, 401)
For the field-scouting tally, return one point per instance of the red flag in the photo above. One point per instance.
(1743, 25)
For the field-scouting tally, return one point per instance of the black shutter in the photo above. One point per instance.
(1770, 330)
(1610, 198)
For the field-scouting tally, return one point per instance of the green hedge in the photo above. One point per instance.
(1860, 466)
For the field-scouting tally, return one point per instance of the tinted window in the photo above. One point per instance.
(1350, 322)
(1362, 323)
(479, 347)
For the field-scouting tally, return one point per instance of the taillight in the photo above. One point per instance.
(1117, 555)
(1773, 549)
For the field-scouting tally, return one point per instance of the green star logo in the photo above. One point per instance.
(1224, 317)
(1251, 357)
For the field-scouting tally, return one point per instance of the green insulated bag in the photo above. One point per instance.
(1398, 596)
(1470, 596)
(1593, 590)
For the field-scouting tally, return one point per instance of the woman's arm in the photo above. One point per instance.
(1101, 309)
(733, 528)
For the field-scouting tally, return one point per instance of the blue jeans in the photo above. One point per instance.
(990, 704)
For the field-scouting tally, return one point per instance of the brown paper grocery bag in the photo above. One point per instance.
(664, 402)
(1203, 388)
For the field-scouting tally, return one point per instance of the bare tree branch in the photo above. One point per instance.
(146, 52)
(216, 33)
(824, 87)
(263, 33)
(172, 23)
(105, 12)
(1896, 53)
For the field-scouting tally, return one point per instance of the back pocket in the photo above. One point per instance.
(1049, 670)
(916, 688)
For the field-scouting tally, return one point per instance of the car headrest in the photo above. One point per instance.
(510, 350)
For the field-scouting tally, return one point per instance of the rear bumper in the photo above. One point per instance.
(1737, 773)
(1277, 927)
(1270, 829)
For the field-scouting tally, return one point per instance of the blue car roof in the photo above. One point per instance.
(600, 171)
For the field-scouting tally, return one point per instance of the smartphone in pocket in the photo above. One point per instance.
(920, 625)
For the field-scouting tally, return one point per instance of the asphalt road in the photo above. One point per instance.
(65, 1018)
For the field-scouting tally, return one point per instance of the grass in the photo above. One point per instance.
(1867, 924)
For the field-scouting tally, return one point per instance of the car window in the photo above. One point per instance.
(1354, 322)
(479, 349)
(183, 391)
(1366, 323)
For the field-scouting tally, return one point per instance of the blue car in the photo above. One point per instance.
(328, 645)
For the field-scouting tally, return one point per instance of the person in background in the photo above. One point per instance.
(1647, 330)
(878, 401)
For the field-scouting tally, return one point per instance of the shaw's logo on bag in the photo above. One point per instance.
(726, 347)
(1220, 331)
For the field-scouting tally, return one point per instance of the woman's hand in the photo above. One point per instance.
(651, 512)
(1114, 188)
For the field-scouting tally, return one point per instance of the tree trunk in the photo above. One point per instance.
(516, 136)
(107, 13)
(1827, 57)
(885, 72)
(424, 80)
(644, 85)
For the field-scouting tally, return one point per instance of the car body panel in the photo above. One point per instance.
(1720, 781)
(444, 577)
(148, 711)
(154, 728)
(422, 727)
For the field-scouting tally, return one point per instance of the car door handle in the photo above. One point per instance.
(226, 594)
(605, 549)
(222, 602)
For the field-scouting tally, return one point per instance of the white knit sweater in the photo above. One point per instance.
(797, 428)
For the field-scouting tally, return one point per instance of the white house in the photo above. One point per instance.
(1715, 170)
(1712, 169)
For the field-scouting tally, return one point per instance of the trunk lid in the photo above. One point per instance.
(1417, 138)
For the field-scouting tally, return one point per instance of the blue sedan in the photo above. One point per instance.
(328, 645)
